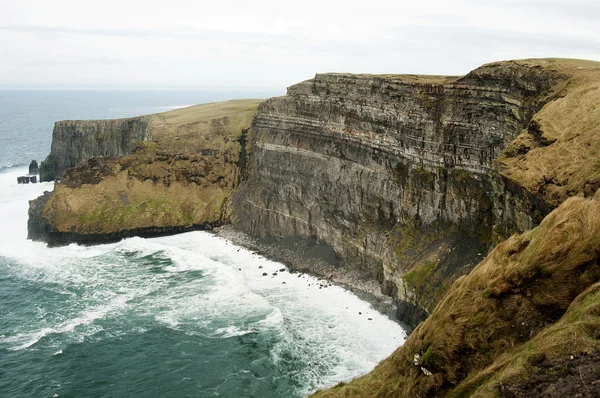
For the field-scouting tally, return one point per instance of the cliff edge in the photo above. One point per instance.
(406, 180)
(153, 175)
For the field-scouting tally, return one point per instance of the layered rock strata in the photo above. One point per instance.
(534, 299)
(397, 173)
(410, 180)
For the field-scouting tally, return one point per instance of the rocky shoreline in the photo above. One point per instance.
(310, 256)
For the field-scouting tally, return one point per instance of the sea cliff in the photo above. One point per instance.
(397, 173)
(409, 180)
(148, 176)
(512, 327)
(76, 141)
(470, 201)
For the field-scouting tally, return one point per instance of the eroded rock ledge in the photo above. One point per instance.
(74, 141)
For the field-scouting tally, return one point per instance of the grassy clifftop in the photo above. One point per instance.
(181, 176)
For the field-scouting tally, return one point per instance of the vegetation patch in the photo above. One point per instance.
(561, 144)
(424, 176)
(417, 277)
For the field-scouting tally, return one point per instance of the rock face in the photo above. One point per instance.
(27, 179)
(395, 173)
(535, 297)
(76, 141)
(38, 227)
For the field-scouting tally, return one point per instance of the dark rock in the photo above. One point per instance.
(379, 161)
(411, 314)
(27, 179)
(33, 168)
(576, 375)
(38, 228)
(264, 274)
(74, 142)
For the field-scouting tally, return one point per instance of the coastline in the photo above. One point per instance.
(168, 291)
(309, 256)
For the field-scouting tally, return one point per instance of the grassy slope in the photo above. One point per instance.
(169, 181)
(536, 293)
(557, 157)
(217, 124)
(405, 78)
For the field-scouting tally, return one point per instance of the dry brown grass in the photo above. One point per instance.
(512, 306)
(205, 126)
(561, 153)
(536, 293)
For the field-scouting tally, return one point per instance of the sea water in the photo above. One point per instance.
(184, 315)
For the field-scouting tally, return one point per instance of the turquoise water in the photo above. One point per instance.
(185, 315)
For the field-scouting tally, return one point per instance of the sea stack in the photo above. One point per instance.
(33, 168)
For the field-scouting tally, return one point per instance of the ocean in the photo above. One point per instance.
(188, 315)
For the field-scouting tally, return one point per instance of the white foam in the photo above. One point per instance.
(232, 331)
(194, 282)
(306, 313)
(28, 339)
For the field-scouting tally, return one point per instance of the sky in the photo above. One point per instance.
(271, 44)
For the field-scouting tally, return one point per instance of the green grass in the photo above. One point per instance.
(418, 276)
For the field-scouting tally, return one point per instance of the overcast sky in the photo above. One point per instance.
(275, 43)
